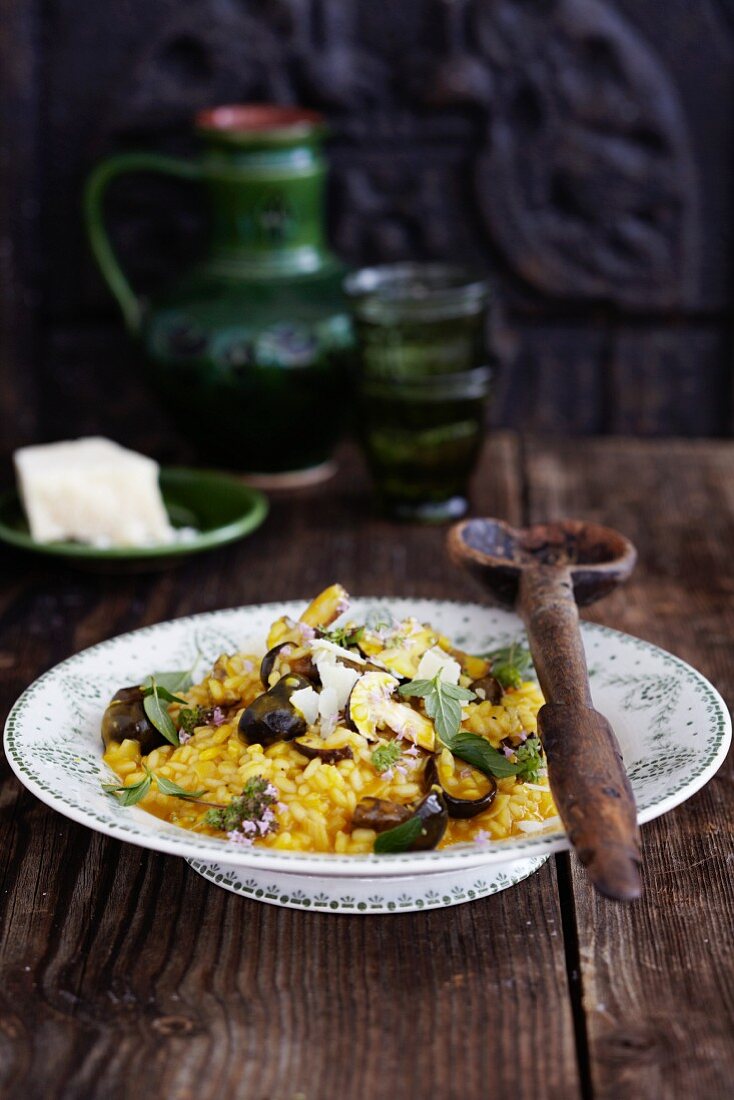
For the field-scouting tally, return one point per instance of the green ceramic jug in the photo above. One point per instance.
(249, 348)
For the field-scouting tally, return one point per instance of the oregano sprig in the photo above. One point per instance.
(384, 756)
(250, 813)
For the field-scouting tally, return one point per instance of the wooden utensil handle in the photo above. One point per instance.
(550, 614)
(593, 795)
(585, 769)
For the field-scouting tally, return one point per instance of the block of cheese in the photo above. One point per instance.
(436, 660)
(92, 491)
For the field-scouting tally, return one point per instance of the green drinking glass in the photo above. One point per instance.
(422, 376)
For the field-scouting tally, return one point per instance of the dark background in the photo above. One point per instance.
(580, 150)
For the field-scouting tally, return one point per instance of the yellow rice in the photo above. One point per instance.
(316, 799)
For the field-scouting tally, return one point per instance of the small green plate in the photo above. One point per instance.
(221, 508)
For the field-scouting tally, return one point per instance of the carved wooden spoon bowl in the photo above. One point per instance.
(545, 571)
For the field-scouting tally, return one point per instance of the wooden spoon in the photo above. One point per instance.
(545, 571)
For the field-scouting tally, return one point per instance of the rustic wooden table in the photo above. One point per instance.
(124, 973)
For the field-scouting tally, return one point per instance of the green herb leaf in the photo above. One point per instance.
(511, 664)
(400, 838)
(129, 796)
(442, 702)
(456, 691)
(343, 635)
(163, 693)
(167, 786)
(385, 756)
(530, 759)
(421, 688)
(445, 712)
(478, 752)
(170, 683)
(158, 714)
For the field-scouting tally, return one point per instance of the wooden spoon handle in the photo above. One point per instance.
(585, 769)
(593, 796)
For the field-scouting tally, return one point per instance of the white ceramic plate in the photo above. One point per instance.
(672, 725)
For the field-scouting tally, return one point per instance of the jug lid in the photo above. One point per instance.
(258, 123)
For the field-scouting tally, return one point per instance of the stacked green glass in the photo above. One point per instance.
(422, 379)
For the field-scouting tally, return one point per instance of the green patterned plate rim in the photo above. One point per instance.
(221, 508)
(673, 728)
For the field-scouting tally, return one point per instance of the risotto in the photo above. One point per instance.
(346, 737)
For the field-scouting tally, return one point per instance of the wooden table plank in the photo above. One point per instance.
(126, 972)
(657, 976)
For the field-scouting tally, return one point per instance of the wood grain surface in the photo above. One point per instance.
(657, 978)
(125, 973)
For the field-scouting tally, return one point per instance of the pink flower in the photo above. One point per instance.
(218, 717)
(183, 737)
(266, 823)
(236, 837)
(306, 632)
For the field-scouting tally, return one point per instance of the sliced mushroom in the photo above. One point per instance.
(460, 807)
(372, 707)
(314, 751)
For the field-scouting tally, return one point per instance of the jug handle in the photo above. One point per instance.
(94, 194)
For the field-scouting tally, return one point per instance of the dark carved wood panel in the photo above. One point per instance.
(19, 187)
(581, 151)
(673, 375)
